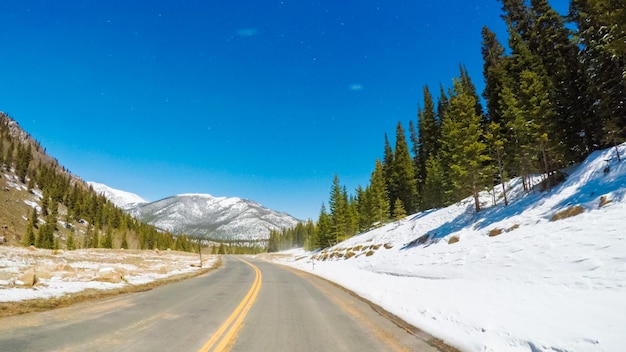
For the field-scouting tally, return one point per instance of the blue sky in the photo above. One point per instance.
(264, 100)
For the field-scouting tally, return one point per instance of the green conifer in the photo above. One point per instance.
(404, 176)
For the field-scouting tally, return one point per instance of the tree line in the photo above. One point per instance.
(556, 95)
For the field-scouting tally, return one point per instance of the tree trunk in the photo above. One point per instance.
(476, 201)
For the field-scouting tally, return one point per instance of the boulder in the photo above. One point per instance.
(109, 274)
(28, 277)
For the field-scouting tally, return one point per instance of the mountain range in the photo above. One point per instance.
(202, 215)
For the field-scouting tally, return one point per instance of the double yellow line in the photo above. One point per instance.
(227, 331)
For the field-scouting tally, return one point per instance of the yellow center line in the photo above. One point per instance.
(228, 329)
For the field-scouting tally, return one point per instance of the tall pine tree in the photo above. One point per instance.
(465, 150)
(403, 178)
(379, 196)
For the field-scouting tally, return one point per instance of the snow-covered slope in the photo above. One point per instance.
(213, 217)
(540, 285)
(122, 199)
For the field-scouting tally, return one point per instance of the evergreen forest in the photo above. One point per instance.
(554, 93)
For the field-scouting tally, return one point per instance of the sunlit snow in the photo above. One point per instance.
(62, 272)
(540, 285)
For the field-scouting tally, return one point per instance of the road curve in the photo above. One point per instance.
(247, 305)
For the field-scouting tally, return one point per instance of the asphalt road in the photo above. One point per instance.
(247, 305)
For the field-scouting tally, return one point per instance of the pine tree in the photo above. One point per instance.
(272, 243)
(521, 134)
(462, 138)
(442, 106)
(338, 207)
(494, 73)
(602, 37)
(353, 215)
(70, 244)
(549, 40)
(540, 113)
(415, 149)
(108, 239)
(29, 239)
(517, 16)
(429, 140)
(496, 142)
(95, 240)
(470, 89)
(45, 201)
(388, 170)
(379, 195)
(24, 156)
(45, 237)
(364, 208)
(324, 229)
(403, 178)
(34, 219)
(9, 157)
(434, 185)
(398, 210)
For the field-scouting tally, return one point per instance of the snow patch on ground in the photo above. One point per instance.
(63, 272)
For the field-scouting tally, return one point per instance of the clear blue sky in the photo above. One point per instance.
(264, 100)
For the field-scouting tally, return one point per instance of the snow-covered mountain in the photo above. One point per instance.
(120, 198)
(521, 278)
(212, 217)
(202, 215)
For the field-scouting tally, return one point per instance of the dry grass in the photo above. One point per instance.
(388, 246)
(514, 227)
(568, 213)
(369, 253)
(38, 305)
(453, 239)
(604, 200)
(349, 255)
(495, 232)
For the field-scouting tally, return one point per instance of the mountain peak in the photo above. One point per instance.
(202, 215)
(120, 198)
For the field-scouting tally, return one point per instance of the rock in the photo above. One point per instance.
(109, 274)
(28, 278)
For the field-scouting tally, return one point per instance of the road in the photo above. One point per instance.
(247, 305)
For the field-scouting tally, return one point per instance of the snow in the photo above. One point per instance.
(118, 197)
(198, 195)
(64, 272)
(541, 285)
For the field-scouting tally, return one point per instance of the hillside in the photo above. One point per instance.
(47, 206)
(16, 195)
(525, 277)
